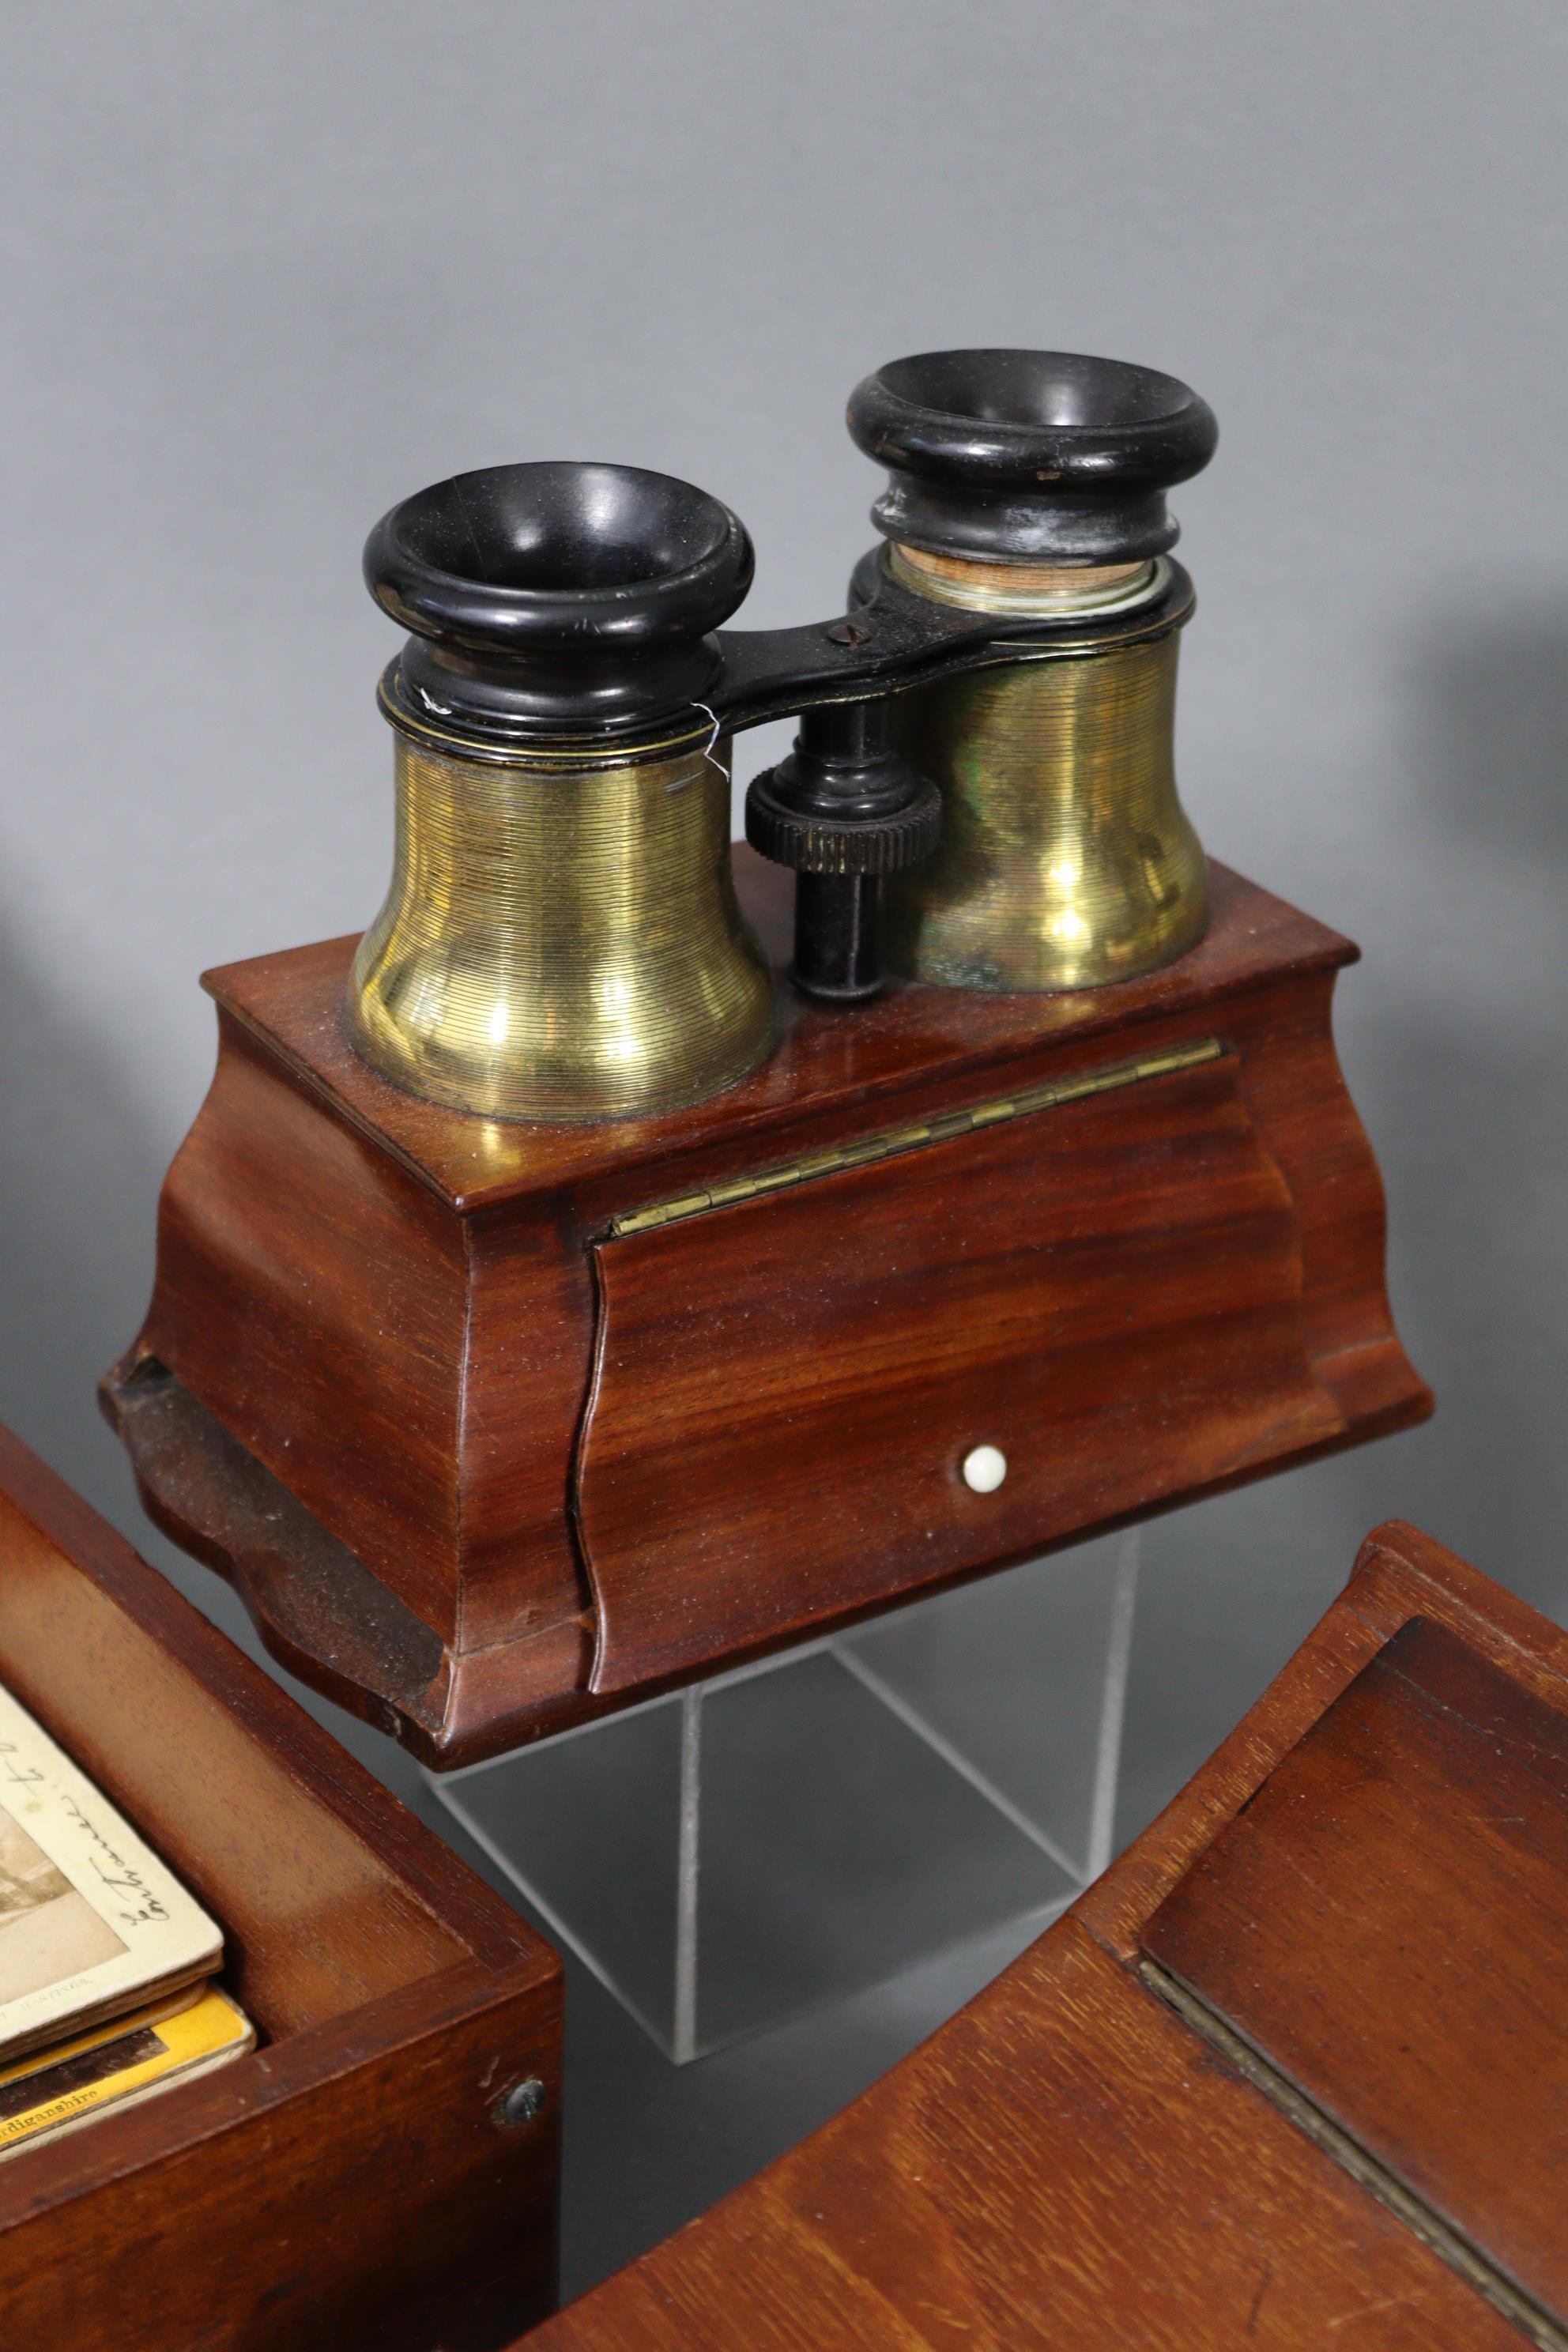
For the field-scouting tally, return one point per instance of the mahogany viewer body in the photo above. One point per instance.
(496, 1424)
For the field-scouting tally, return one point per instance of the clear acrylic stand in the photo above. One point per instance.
(793, 1832)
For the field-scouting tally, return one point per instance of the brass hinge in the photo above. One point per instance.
(1364, 2168)
(863, 1150)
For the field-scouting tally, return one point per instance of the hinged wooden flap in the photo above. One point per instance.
(1106, 1289)
(1386, 1924)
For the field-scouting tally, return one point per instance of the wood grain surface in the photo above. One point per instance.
(1367, 1879)
(347, 2183)
(1012, 1287)
(1435, 2031)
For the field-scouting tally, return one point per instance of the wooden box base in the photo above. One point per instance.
(352, 2180)
(495, 1425)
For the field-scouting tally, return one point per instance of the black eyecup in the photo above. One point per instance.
(547, 596)
(1030, 457)
(515, 558)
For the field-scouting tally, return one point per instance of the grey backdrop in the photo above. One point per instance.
(268, 267)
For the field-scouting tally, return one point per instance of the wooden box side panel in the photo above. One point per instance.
(530, 1347)
(363, 2194)
(1110, 1291)
(311, 1294)
(1296, 1092)
(1387, 1924)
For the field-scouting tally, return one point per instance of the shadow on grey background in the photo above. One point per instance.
(1471, 1125)
(79, 1173)
(1488, 706)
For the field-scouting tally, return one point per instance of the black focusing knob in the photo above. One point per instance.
(1029, 457)
(844, 809)
(844, 802)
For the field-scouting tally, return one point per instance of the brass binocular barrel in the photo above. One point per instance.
(1033, 484)
(981, 794)
(561, 938)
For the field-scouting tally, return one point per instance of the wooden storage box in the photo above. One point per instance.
(1291, 2076)
(354, 2180)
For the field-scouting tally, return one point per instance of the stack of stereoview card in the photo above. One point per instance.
(105, 1960)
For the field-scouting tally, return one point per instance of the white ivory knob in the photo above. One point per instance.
(984, 1467)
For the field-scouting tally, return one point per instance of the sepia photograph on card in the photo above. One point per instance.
(92, 1922)
(47, 1930)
